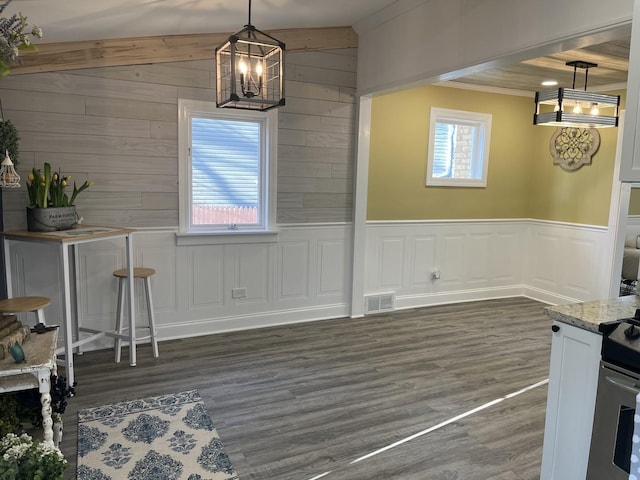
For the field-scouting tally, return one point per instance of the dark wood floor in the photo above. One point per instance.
(291, 403)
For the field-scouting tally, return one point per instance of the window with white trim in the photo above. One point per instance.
(458, 148)
(227, 165)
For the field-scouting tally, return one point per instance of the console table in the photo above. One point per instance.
(67, 241)
(35, 372)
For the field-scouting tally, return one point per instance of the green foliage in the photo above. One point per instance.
(47, 189)
(9, 140)
(15, 38)
(24, 406)
(23, 458)
(9, 420)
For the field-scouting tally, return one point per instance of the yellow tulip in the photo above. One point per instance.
(30, 177)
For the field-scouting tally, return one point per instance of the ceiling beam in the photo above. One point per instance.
(52, 57)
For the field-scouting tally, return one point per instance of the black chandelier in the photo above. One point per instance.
(250, 70)
(568, 107)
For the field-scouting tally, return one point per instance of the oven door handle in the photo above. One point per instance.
(631, 386)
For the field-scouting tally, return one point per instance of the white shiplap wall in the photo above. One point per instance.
(117, 126)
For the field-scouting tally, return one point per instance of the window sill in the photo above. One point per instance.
(456, 182)
(227, 237)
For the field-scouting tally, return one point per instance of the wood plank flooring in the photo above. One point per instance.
(294, 402)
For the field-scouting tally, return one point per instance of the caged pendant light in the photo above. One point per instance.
(568, 107)
(250, 70)
(9, 178)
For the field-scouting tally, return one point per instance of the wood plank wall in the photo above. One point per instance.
(117, 126)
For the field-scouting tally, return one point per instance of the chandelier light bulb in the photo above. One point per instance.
(594, 109)
(577, 109)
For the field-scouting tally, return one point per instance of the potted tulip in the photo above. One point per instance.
(50, 208)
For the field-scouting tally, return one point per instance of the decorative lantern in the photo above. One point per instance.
(250, 70)
(9, 178)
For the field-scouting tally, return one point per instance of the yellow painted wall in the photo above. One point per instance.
(522, 180)
(634, 202)
(582, 196)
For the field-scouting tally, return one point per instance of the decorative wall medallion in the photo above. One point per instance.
(573, 147)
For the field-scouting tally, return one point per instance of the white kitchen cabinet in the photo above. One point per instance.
(630, 160)
(571, 399)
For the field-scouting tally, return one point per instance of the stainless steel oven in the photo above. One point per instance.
(611, 440)
(618, 386)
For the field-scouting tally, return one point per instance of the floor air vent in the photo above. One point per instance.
(384, 302)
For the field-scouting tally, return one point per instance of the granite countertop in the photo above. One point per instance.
(589, 315)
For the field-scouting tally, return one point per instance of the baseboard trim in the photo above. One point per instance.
(248, 322)
(461, 296)
(545, 296)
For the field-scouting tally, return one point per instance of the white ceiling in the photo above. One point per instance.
(74, 20)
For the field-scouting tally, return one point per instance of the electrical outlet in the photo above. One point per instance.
(239, 292)
(435, 275)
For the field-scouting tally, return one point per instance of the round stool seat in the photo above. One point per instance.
(24, 304)
(138, 272)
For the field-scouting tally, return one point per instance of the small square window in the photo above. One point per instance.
(227, 169)
(458, 148)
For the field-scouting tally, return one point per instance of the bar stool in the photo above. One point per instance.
(25, 305)
(138, 273)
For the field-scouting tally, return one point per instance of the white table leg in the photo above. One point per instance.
(44, 387)
(68, 318)
(76, 297)
(131, 285)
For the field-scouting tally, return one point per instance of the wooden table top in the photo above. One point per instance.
(77, 234)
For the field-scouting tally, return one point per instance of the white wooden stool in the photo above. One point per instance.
(144, 274)
(25, 305)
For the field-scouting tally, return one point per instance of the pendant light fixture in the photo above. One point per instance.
(568, 107)
(250, 70)
(9, 178)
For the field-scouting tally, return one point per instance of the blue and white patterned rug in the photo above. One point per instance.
(169, 437)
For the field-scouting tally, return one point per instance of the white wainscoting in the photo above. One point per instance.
(481, 259)
(302, 277)
(565, 262)
(306, 274)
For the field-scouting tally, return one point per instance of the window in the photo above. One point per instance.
(226, 166)
(458, 148)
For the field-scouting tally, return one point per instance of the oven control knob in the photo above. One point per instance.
(632, 332)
